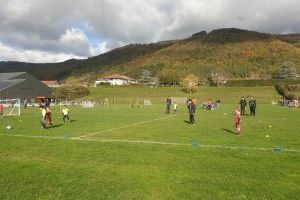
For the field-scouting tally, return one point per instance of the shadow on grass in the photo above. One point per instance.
(56, 125)
(228, 131)
(186, 121)
(73, 120)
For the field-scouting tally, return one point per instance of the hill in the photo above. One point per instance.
(234, 52)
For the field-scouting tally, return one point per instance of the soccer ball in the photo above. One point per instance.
(9, 127)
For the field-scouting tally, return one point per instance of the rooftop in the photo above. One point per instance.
(118, 76)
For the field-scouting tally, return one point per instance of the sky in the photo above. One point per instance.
(57, 30)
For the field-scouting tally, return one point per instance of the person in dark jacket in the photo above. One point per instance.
(168, 105)
(192, 109)
(252, 105)
(243, 104)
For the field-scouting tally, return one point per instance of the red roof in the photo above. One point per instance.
(118, 76)
(50, 82)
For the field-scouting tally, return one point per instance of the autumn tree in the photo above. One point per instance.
(190, 83)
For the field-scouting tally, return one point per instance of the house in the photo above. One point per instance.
(22, 85)
(51, 83)
(115, 79)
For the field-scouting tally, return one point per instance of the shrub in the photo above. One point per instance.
(169, 77)
(189, 84)
(282, 90)
(70, 92)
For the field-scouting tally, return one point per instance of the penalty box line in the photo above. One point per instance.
(125, 126)
(156, 143)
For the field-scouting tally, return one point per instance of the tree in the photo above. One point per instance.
(146, 77)
(283, 90)
(169, 77)
(286, 71)
(216, 80)
(190, 83)
(70, 92)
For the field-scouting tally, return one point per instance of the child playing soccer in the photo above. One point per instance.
(238, 121)
(65, 112)
(1, 110)
(44, 113)
(175, 107)
(48, 116)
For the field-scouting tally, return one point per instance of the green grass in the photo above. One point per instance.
(158, 95)
(108, 164)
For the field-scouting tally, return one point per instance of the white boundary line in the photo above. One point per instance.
(157, 143)
(125, 126)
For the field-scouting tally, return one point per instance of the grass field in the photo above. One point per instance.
(119, 152)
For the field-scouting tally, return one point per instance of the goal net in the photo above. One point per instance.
(147, 102)
(11, 107)
(87, 104)
(181, 100)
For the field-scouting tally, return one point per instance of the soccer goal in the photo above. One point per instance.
(11, 107)
(87, 104)
(147, 102)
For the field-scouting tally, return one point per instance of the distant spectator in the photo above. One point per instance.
(168, 105)
(191, 109)
(243, 104)
(252, 105)
(25, 103)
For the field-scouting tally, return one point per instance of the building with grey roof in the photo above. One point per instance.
(22, 85)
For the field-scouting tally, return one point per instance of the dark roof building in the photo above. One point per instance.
(22, 85)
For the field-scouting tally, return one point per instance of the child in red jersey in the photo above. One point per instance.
(238, 121)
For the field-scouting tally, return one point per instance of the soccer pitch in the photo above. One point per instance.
(119, 152)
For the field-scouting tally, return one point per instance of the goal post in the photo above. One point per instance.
(11, 107)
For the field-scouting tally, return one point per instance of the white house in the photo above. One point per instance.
(51, 83)
(115, 79)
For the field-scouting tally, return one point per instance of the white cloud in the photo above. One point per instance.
(34, 56)
(72, 36)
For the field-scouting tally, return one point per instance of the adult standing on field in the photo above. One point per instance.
(243, 104)
(192, 109)
(168, 105)
(252, 105)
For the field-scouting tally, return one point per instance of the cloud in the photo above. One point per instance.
(33, 56)
(86, 28)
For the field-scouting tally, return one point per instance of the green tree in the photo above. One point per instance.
(70, 92)
(286, 71)
(146, 77)
(282, 90)
(169, 77)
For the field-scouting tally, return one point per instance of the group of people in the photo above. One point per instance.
(191, 106)
(252, 106)
(211, 105)
(168, 105)
(47, 115)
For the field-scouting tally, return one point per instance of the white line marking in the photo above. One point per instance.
(125, 126)
(156, 142)
(34, 136)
